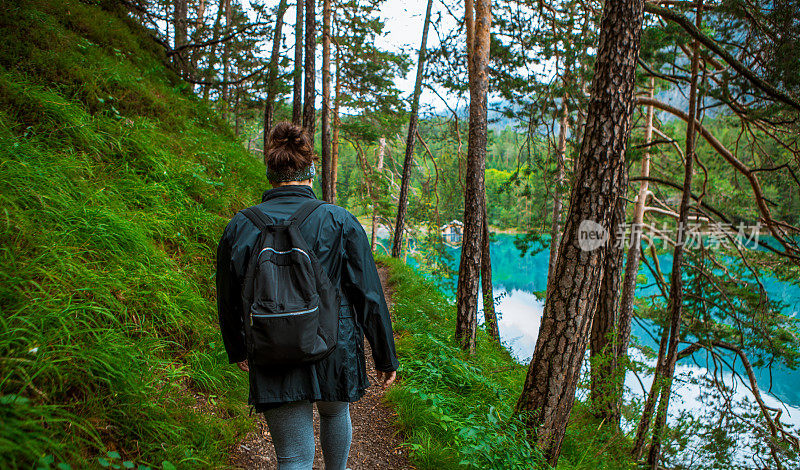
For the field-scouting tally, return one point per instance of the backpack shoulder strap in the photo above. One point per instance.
(260, 219)
(304, 211)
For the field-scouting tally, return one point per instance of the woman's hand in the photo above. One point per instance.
(244, 365)
(386, 378)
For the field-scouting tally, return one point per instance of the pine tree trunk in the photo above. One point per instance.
(604, 364)
(379, 168)
(297, 90)
(180, 25)
(200, 11)
(675, 302)
(489, 315)
(600, 178)
(309, 89)
(212, 56)
(269, 108)
(226, 54)
(337, 124)
(555, 228)
(632, 263)
(402, 201)
(478, 27)
(326, 102)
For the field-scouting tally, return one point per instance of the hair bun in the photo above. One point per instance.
(289, 148)
(283, 134)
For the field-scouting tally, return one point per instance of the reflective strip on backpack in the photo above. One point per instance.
(284, 252)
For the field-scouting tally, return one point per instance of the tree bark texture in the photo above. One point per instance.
(489, 314)
(180, 26)
(269, 108)
(325, 119)
(297, 75)
(605, 377)
(600, 178)
(675, 301)
(408, 160)
(309, 90)
(474, 191)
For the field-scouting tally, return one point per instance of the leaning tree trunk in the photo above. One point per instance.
(478, 27)
(326, 179)
(297, 75)
(600, 178)
(604, 364)
(675, 302)
(309, 90)
(269, 108)
(555, 229)
(632, 264)
(378, 168)
(489, 314)
(402, 202)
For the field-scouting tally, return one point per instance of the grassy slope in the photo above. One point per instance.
(116, 184)
(457, 412)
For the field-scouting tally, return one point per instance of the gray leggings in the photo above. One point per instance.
(292, 429)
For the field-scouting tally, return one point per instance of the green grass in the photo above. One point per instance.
(456, 411)
(116, 184)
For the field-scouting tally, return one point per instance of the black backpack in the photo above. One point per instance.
(291, 308)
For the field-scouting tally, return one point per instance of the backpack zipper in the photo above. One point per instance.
(285, 314)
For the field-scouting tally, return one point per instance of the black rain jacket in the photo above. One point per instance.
(341, 245)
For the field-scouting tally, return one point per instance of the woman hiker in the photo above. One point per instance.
(286, 395)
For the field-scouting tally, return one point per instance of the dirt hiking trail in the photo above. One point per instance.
(376, 444)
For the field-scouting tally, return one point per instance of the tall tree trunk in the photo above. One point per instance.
(212, 56)
(478, 27)
(555, 228)
(297, 95)
(326, 179)
(379, 168)
(180, 25)
(402, 201)
(197, 36)
(675, 301)
(226, 54)
(604, 364)
(337, 124)
(269, 108)
(489, 315)
(632, 262)
(600, 178)
(309, 89)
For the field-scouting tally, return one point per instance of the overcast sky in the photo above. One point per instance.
(403, 32)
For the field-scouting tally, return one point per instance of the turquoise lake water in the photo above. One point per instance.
(516, 280)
